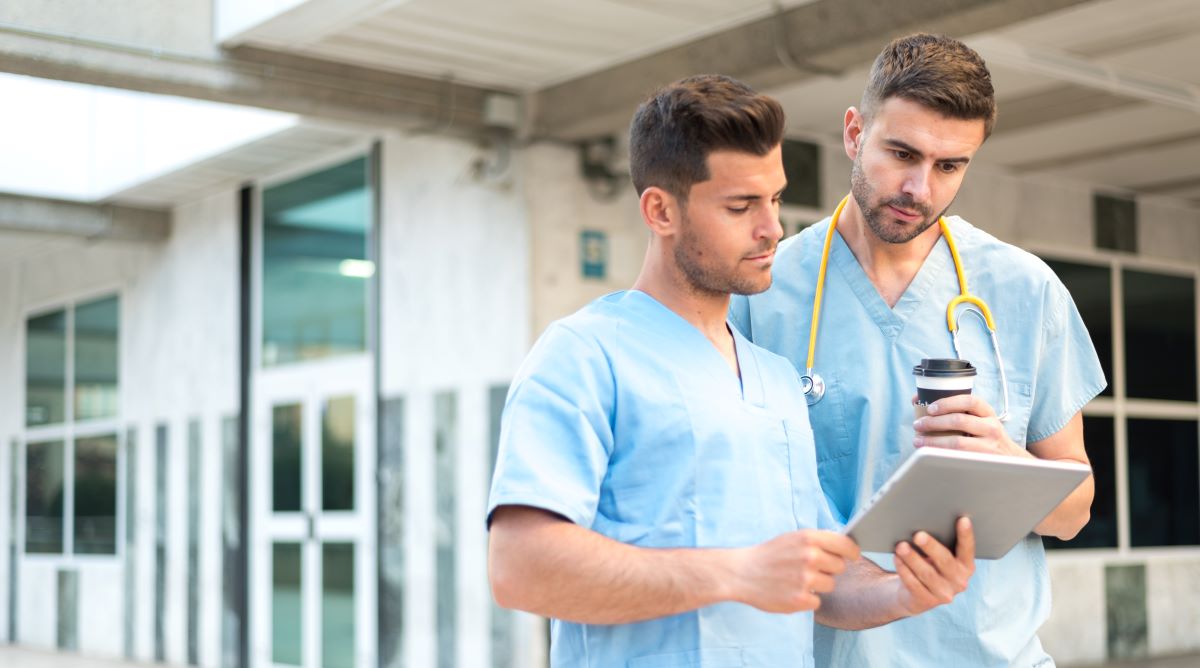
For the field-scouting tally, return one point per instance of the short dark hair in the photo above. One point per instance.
(675, 130)
(937, 72)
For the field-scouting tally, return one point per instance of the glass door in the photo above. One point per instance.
(313, 499)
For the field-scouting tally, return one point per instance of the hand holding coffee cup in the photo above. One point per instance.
(938, 379)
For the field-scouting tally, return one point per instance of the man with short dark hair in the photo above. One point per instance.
(889, 276)
(655, 492)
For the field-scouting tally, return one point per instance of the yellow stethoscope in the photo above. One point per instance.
(814, 385)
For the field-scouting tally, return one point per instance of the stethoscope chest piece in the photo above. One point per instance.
(813, 386)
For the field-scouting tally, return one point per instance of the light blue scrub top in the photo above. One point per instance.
(626, 420)
(866, 352)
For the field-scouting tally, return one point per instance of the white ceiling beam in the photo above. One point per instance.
(291, 24)
(1070, 68)
(20, 213)
(811, 40)
(255, 77)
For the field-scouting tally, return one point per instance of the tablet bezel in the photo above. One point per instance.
(1005, 497)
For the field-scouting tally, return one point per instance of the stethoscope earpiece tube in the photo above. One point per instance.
(812, 383)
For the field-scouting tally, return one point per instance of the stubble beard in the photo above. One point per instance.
(703, 273)
(877, 215)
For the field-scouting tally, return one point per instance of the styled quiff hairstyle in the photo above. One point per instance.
(937, 72)
(675, 130)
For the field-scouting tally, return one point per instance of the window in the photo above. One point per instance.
(44, 497)
(96, 495)
(802, 165)
(1159, 446)
(1115, 222)
(71, 410)
(1160, 335)
(1101, 530)
(96, 359)
(1164, 483)
(315, 265)
(1091, 288)
(46, 369)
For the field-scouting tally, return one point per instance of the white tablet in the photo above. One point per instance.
(1005, 497)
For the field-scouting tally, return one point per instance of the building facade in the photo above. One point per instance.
(265, 436)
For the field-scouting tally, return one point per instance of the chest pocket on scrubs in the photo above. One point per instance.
(806, 490)
(1020, 402)
(742, 481)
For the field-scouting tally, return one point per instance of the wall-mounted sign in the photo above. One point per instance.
(593, 254)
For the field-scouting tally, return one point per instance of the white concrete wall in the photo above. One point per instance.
(181, 315)
(1173, 605)
(11, 413)
(1076, 632)
(178, 360)
(561, 205)
(101, 623)
(37, 599)
(455, 317)
(5, 529)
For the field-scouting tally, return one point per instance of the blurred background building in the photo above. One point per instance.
(267, 267)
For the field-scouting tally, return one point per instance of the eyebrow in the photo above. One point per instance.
(909, 149)
(754, 198)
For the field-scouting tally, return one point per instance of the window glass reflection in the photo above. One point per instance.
(96, 359)
(1091, 290)
(315, 265)
(337, 605)
(1160, 336)
(44, 498)
(285, 454)
(96, 495)
(46, 369)
(337, 454)
(1164, 483)
(445, 441)
(286, 601)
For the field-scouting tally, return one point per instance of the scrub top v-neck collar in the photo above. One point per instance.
(674, 326)
(891, 320)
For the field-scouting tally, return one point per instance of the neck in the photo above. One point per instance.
(890, 267)
(706, 311)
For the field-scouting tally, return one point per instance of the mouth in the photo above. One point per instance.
(905, 216)
(762, 258)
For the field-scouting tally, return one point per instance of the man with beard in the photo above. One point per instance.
(889, 276)
(655, 492)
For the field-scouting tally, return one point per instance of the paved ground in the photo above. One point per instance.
(14, 657)
(1190, 661)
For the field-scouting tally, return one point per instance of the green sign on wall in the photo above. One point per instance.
(593, 254)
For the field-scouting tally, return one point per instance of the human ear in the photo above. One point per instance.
(660, 211)
(853, 132)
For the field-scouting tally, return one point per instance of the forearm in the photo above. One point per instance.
(865, 596)
(1069, 518)
(554, 568)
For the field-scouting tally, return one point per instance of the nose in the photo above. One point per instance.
(916, 185)
(769, 226)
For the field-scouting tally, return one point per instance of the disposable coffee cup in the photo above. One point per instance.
(941, 378)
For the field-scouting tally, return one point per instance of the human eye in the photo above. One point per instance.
(949, 167)
(738, 210)
(901, 154)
